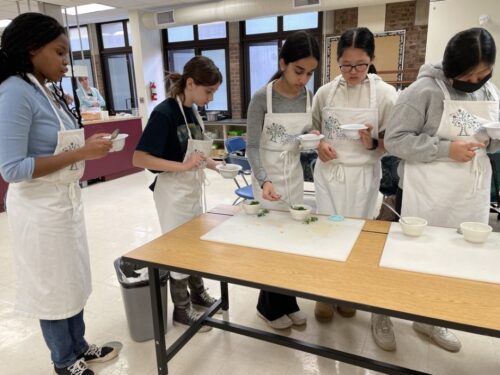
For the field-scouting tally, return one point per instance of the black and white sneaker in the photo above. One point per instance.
(99, 354)
(77, 368)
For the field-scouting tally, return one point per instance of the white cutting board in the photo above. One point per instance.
(278, 231)
(444, 252)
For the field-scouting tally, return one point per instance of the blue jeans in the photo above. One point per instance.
(65, 339)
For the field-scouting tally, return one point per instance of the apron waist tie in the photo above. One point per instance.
(203, 180)
(478, 173)
(285, 155)
(337, 173)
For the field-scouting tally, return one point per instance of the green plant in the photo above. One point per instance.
(310, 219)
(263, 212)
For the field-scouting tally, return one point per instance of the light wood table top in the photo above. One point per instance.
(463, 304)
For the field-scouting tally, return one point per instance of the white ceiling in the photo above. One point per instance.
(9, 10)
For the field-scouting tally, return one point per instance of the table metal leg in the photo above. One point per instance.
(158, 323)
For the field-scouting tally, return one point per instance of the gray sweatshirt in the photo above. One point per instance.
(257, 109)
(415, 118)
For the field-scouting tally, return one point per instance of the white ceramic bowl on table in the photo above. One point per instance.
(352, 130)
(118, 143)
(493, 129)
(300, 211)
(310, 141)
(228, 170)
(251, 207)
(413, 226)
(475, 232)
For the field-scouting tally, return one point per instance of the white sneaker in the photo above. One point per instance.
(298, 318)
(440, 335)
(383, 332)
(282, 322)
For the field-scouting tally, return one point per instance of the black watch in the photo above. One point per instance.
(375, 144)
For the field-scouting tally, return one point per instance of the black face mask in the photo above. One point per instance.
(468, 86)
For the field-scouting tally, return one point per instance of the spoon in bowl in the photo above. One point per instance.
(393, 210)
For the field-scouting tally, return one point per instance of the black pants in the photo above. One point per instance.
(274, 305)
(399, 200)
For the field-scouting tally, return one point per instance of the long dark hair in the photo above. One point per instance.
(298, 45)
(359, 37)
(467, 49)
(26, 33)
(201, 69)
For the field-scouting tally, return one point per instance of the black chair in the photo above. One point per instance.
(495, 184)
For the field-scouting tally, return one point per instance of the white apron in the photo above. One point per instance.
(445, 192)
(50, 243)
(179, 195)
(348, 185)
(280, 153)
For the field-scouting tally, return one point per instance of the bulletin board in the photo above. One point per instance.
(389, 55)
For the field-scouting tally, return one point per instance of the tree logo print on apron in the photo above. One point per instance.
(278, 134)
(465, 121)
(332, 128)
(70, 147)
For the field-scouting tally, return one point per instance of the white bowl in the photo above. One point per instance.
(475, 232)
(352, 130)
(228, 170)
(413, 226)
(251, 207)
(493, 129)
(300, 214)
(118, 143)
(310, 141)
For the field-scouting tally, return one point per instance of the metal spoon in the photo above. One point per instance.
(288, 203)
(114, 134)
(393, 210)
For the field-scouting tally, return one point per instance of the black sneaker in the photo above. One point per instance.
(188, 316)
(99, 354)
(77, 368)
(203, 299)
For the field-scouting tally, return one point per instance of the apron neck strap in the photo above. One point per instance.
(44, 92)
(196, 114)
(493, 92)
(269, 98)
(443, 88)
(373, 90)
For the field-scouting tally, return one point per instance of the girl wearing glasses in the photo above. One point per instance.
(347, 174)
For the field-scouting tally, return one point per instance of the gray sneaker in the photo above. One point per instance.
(203, 300)
(440, 335)
(188, 316)
(383, 332)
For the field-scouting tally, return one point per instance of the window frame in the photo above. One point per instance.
(279, 37)
(77, 55)
(105, 53)
(198, 46)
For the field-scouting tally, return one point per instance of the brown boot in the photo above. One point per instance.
(323, 311)
(346, 312)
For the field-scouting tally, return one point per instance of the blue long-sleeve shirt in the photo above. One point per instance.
(28, 128)
(87, 101)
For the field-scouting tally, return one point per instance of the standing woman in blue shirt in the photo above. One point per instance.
(42, 154)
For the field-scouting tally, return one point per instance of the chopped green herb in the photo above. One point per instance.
(310, 219)
(253, 203)
(298, 208)
(263, 212)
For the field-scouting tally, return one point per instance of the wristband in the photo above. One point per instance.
(375, 145)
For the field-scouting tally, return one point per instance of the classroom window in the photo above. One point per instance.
(261, 25)
(74, 38)
(209, 40)
(300, 21)
(113, 35)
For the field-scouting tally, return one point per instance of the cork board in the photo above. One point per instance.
(389, 55)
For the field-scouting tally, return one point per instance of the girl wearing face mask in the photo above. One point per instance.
(277, 114)
(174, 145)
(347, 174)
(435, 129)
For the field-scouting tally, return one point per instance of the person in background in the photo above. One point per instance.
(347, 174)
(277, 114)
(42, 154)
(174, 146)
(435, 128)
(90, 98)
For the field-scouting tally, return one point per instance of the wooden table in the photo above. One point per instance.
(359, 282)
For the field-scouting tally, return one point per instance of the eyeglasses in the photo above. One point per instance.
(349, 68)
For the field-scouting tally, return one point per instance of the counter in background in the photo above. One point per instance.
(116, 164)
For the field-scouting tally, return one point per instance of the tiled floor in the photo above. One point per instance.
(120, 216)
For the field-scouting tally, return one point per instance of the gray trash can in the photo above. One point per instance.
(137, 302)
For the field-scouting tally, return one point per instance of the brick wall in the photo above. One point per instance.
(344, 19)
(234, 69)
(400, 16)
